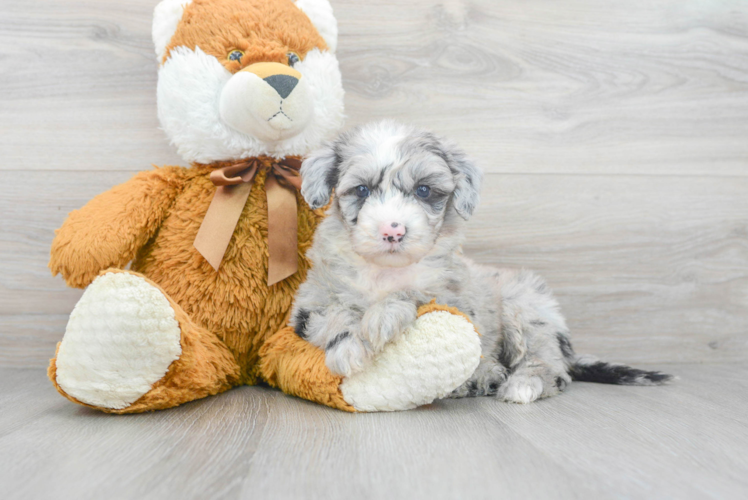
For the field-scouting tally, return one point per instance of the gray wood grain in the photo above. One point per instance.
(647, 268)
(583, 86)
(78, 86)
(687, 440)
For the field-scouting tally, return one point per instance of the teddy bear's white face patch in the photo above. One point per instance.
(213, 115)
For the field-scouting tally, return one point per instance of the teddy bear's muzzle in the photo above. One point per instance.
(267, 100)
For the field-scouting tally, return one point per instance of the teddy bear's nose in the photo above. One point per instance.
(283, 79)
(283, 84)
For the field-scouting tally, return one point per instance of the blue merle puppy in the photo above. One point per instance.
(392, 241)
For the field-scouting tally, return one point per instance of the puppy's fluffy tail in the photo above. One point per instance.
(608, 373)
(586, 369)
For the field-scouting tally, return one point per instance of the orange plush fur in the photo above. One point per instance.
(152, 220)
(220, 26)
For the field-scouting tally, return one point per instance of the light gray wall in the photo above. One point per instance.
(615, 135)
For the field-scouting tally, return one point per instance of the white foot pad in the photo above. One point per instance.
(120, 340)
(428, 361)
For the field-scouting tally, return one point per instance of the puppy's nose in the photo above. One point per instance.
(283, 84)
(391, 231)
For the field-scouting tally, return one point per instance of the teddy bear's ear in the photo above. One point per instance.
(166, 17)
(322, 17)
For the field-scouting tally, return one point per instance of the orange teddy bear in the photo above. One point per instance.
(245, 88)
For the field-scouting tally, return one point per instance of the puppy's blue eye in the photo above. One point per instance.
(362, 191)
(423, 191)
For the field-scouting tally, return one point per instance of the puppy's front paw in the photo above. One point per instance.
(346, 354)
(386, 320)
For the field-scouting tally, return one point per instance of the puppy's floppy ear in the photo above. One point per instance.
(319, 175)
(468, 180)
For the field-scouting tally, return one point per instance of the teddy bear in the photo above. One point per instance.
(216, 250)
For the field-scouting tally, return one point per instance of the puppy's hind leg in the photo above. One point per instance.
(540, 373)
(529, 347)
(537, 351)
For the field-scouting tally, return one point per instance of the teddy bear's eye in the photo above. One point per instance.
(293, 58)
(235, 55)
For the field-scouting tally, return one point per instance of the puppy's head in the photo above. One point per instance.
(395, 188)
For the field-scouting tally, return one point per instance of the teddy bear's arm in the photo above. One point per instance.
(110, 229)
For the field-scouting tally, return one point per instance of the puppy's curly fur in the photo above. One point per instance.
(364, 286)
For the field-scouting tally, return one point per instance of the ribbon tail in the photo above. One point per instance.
(220, 220)
(282, 231)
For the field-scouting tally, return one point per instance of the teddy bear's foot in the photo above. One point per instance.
(438, 353)
(128, 347)
(120, 340)
(429, 360)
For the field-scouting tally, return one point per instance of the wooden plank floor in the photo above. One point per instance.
(688, 440)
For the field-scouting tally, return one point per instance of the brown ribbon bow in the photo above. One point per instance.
(234, 183)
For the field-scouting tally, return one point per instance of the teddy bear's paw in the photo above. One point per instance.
(427, 361)
(120, 340)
